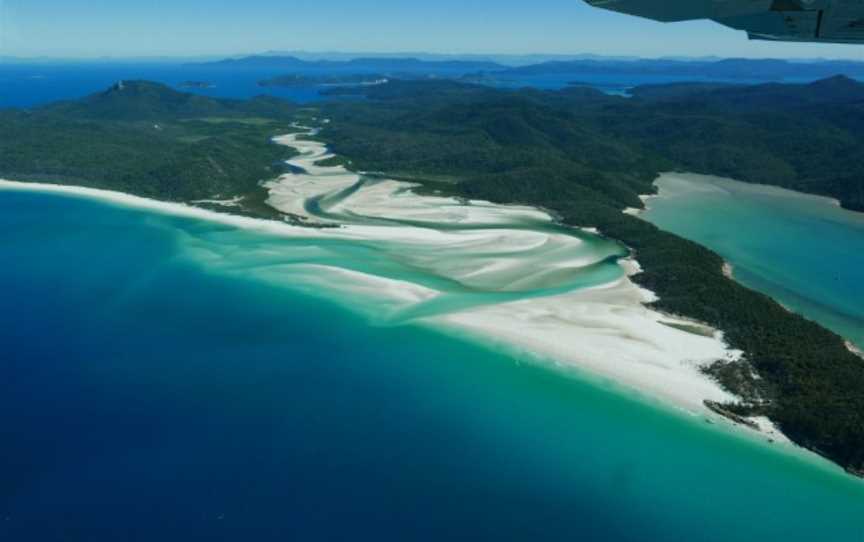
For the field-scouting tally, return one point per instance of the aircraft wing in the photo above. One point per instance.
(830, 21)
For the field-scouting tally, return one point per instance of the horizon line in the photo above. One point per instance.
(347, 55)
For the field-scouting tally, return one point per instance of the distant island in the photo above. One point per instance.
(582, 154)
(382, 65)
(196, 84)
(746, 69)
(300, 80)
(731, 69)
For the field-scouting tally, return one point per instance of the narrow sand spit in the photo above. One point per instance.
(602, 327)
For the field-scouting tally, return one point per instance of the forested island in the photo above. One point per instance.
(744, 69)
(804, 137)
(148, 139)
(196, 84)
(578, 152)
(403, 65)
(740, 69)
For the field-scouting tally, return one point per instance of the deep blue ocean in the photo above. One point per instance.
(33, 85)
(24, 85)
(147, 395)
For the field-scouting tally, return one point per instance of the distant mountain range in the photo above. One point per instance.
(376, 65)
(731, 69)
(511, 66)
(503, 59)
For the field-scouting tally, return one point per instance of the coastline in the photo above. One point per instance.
(854, 349)
(727, 268)
(480, 328)
(655, 355)
(602, 322)
(493, 329)
(537, 325)
(769, 206)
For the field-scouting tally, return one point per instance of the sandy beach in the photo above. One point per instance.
(507, 275)
(603, 328)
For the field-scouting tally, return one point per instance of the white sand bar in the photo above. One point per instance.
(504, 274)
(603, 328)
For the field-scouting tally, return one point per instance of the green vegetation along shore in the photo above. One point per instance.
(147, 139)
(582, 154)
(587, 157)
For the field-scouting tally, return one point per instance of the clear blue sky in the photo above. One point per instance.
(76, 28)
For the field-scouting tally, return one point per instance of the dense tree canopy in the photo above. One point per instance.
(587, 156)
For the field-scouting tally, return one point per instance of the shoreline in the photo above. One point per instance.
(854, 349)
(682, 184)
(653, 357)
(766, 436)
(621, 305)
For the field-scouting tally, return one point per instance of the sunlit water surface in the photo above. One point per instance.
(805, 251)
(149, 394)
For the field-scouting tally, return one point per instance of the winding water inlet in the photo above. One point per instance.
(506, 273)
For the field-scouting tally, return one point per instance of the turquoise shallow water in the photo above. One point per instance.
(147, 394)
(802, 250)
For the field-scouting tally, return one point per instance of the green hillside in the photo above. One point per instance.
(586, 157)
